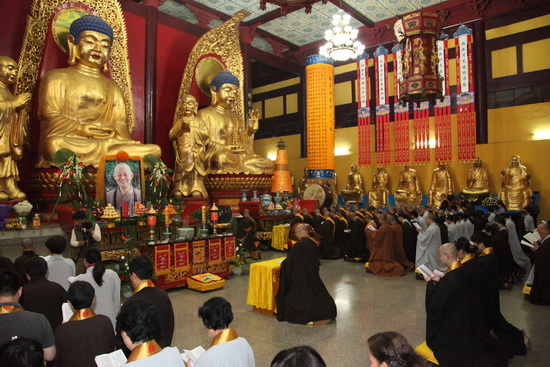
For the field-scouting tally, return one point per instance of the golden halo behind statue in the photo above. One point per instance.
(206, 70)
(62, 23)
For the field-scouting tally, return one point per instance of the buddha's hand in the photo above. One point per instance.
(21, 100)
(94, 132)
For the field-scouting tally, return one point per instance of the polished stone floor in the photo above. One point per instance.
(366, 305)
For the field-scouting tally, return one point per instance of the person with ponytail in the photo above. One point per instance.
(391, 349)
(302, 297)
(106, 284)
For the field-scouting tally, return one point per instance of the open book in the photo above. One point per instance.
(114, 359)
(192, 355)
(417, 225)
(529, 238)
(424, 270)
(66, 311)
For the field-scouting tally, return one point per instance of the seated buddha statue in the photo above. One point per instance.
(477, 182)
(515, 185)
(441, 186)
(408, 190)
(354, 186)
(79, 108)
(231, 142)
(378, 195)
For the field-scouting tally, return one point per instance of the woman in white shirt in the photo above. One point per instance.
(106, 284)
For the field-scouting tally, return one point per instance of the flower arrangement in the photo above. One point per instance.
(96, 210)
(241, 257)
(158, 181)
(71, 173)
(489, 202)
(123, 270)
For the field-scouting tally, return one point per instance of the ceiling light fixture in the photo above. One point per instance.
(342, 41)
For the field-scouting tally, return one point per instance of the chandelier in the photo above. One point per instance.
(342, 41)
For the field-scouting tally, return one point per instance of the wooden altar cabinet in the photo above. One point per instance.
(175, 261)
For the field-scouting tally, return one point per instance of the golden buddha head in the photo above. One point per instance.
(89, 41)
(353, 168)
(477, 162)
(190, 105)
(8, 70)
(515, 160)
(225, 89)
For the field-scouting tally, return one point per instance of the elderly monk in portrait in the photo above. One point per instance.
(231, 142)
(79, 108)
(12, 130)
(125, 191)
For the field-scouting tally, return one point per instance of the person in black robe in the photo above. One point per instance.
(409, 236)
(490, 298)
(540, 290)
(339, 227)
(358, 240)
(318, 219)
(443, 232)
(246, 233)
(307, 217)
(302, 297)
(141, 271)
(329, 250)
(450, 332)
(501, 248)
(28, 252)
(298, 218)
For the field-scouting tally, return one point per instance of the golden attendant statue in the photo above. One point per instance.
(379, 194)
(515, 185)
(354, 187)
(442, 184)
(408, 189)
(231, 142)
(12, 131)
(190, 138)
(79, 107)
(477, 181)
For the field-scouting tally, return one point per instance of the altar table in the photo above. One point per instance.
(263, 285)
(279, 237)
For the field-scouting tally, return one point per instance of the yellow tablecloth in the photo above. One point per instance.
(260, 284)
(279, 238)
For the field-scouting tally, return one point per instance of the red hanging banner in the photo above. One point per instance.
(442, 107)
(422, 133)
(400, 113)
(382, 106)
(363, 112)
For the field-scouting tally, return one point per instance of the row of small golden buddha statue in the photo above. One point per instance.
(514, 192)
(79, 108)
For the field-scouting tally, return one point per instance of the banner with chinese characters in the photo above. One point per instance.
(382, 106)
(199, 256)
(363, 112)
(442, 107)
(181, 256)
(466, 115)
(214, 251)
(400, 112)
(421, 133)
(320, 114)
(229, 251)
(162, 260)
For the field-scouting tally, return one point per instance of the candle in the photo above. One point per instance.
(125, 209)
(204, 214)
(148, 205)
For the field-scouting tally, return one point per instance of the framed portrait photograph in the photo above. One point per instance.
(120, 179)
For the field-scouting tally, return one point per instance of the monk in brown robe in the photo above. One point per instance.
(399, 253)
(382, 261)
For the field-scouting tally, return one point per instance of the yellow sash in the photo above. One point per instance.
(225, 336)
(144, 350)
(467, 258)
(333, 226)
(143, 284)
(360, 214)
(454, 266)
(487, 251)
(9, 309)
(83, 314)
(345, 221)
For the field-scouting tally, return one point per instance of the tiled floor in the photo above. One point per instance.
(366, 304)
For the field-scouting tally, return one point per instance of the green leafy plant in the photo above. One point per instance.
(242, 256)
(158, 182)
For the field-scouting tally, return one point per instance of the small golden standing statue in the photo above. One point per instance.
(12, 130)
(379, 194)
(190, 139)
(302, 185)
(408, 190)
(442, 184)
(79, 108)
(515, 185)
(231, 142)
(477, 181)
(354, 187)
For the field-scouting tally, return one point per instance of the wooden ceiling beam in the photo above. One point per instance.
(275, 61)
(354, 13)
(274, 14)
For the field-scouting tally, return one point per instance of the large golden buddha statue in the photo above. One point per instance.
(354, 186)
(515, 185)
(12, 130)
(79, 108)
(477, 181)
(378, 195)
(231, 142)
(442, 184)
(408, 190)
